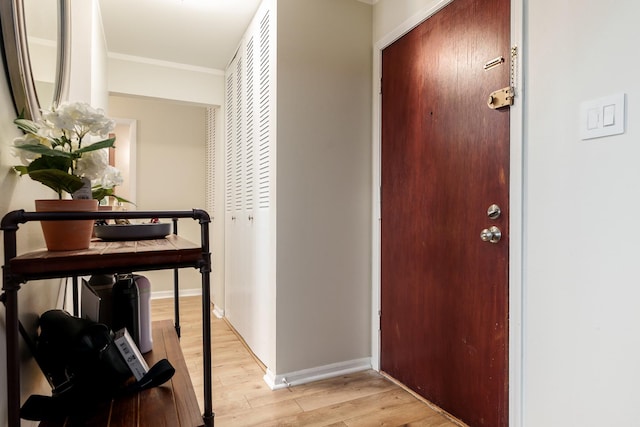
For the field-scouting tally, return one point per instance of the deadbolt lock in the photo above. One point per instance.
(494, 211)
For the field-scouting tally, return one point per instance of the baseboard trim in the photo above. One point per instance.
(218, 312)
(276, 382)
(182, 293)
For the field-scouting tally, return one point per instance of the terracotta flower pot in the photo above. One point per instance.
(67, 235)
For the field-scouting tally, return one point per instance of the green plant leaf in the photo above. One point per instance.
(122, 199)
(44, 150)
(107, 143)
(54, 173)
(26, 125)
(22, 170)
(57, 180)
(100, 193)
(62, 164)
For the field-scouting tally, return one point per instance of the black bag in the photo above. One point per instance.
(83, 366)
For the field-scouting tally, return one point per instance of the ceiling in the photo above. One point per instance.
(199, 33)
(202, 33)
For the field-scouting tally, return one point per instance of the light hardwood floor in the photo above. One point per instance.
(242, 398)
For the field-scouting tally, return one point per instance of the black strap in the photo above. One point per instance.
(79, 405)
(158, 374)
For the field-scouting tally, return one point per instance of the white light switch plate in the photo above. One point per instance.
(602, 117)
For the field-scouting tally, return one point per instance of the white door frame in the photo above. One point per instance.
(126, 157)
(516, 200)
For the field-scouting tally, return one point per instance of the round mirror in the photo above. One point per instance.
(36, 52)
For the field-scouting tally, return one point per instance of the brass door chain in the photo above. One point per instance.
(504, 97)
(512, 77)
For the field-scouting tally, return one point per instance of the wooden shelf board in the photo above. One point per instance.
(129, 255)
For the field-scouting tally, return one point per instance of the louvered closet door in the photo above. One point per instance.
(250, 244)
(214, 201)
(264, 222)
(247, 297)
(233, 196)
(211, 162)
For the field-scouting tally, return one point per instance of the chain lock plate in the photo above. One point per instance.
(504, 97)
(501, 98)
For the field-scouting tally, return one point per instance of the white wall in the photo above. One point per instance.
(144, 77)
(35, 297)
(323, 183)
(170, 165)
(581, 342)
(88, 77)
(135, 83)
(388, 15)
(580, 346)
(168, 101)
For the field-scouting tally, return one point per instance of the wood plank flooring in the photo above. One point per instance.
(242, 398)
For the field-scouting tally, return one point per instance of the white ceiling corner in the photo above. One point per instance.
(199, 33)
(192, 33)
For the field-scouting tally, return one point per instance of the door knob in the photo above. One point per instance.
(491, 234)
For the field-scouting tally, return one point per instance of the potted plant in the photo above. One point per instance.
(61, 152)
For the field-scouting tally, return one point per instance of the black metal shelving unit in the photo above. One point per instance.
(172, 252)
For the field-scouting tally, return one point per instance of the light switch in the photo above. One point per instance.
(602, 117)
(593, 118)
(609, 115)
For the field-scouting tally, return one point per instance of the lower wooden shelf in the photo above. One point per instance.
(172, 404)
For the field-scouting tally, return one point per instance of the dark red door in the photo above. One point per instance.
(445, 160)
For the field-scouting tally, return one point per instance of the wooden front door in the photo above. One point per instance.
(445, 160)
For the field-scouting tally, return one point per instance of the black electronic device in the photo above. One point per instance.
(125, 306)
